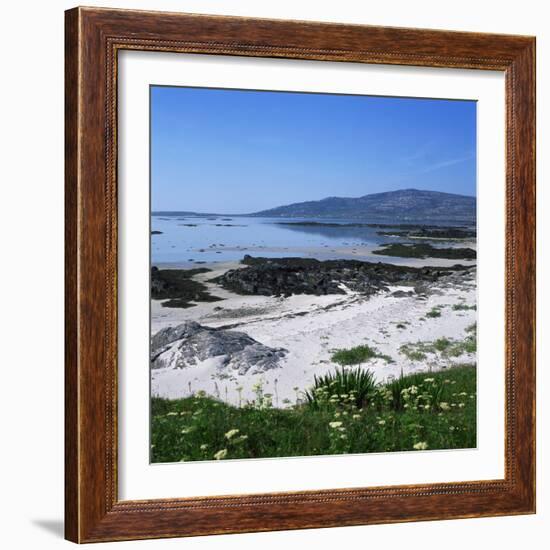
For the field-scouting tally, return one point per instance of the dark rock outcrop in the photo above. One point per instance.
(287, 276)
(178, 287)
(424, 250)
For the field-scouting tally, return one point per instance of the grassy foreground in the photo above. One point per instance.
(415, 412)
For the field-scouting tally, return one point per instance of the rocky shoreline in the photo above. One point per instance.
(431, 232)
(178, 288)
(288, 276)
(424, 250)
(403, 229)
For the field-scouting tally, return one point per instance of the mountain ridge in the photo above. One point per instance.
(403, 204)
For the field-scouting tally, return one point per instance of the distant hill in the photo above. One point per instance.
(405, 204)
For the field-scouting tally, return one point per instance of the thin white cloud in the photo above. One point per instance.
(445, 163)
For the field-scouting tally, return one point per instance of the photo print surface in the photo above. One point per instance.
(313, 274)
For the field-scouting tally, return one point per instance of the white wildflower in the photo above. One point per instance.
(220, 454)
(231, 433)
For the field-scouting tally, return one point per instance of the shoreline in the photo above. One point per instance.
(361, 253)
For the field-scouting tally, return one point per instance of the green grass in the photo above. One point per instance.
(358, 355)
(429, 410)
(418, 351)
(464, 307)
(442, 344)
(434, 312)
(442, 347)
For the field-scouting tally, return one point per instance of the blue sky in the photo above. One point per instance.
(237, 151)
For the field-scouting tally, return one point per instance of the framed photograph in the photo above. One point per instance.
(300, 275)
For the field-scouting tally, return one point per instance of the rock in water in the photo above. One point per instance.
(190, 343)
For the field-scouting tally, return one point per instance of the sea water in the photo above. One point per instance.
(192, 240)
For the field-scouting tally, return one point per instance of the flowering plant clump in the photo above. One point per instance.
(348, 388)
(262, 400)
(338, 437)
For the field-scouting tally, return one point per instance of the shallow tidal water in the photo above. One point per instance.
(187, 241)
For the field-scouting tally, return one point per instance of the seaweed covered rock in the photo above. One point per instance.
(287, 276)
(424, 250)
(178, 287)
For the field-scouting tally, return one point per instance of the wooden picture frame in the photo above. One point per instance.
(93, 511)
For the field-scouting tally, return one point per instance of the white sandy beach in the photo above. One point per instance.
(311, 328)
